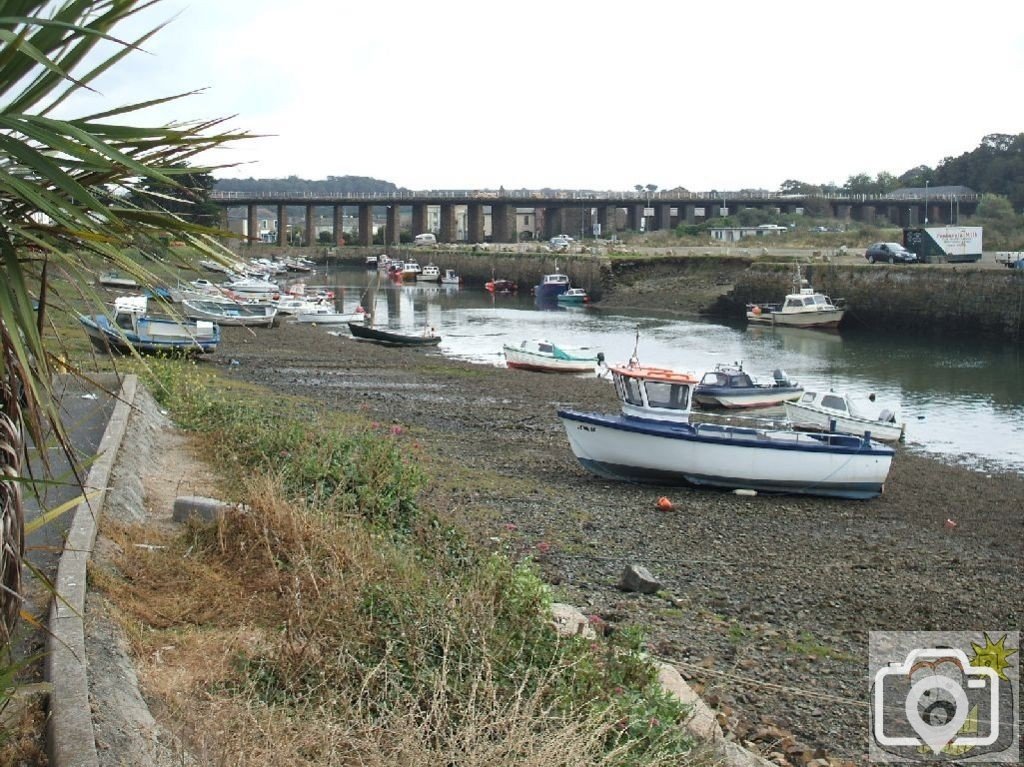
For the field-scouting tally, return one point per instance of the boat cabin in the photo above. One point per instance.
(654, 393)
(732, 378)
(807, 300)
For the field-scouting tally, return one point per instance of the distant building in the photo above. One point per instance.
(735, 233)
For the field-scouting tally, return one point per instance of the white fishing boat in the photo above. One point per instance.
(545, 357)
(450, 277)
(833, 411)
(328, 315)
(653, 440)
(429, 273)
(804, 308)
(252, 285)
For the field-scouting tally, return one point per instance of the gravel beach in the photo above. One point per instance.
(767, 601)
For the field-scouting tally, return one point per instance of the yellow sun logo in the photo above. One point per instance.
(993, 655)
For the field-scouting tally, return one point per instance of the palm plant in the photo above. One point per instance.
(68, 201)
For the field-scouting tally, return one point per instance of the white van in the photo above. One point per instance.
(427, 238)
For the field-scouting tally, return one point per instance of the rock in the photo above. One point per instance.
(638, 578)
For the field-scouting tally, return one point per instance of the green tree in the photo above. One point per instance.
(66, 204)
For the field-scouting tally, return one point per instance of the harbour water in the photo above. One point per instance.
(963, 400)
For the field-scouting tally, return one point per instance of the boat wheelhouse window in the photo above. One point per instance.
(714, 379)
(809, 301)
(794, 302)
(546, 348)
(833, 402)
(666, 395)
(629, 390)
(822, 300)
(741, 380)
(124, 321)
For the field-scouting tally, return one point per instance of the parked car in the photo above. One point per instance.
(889, 252)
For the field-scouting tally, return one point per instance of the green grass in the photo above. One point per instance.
(407, 612)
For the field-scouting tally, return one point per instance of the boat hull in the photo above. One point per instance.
(521, 359)
(766, 396)
(390, 338)
(821, 420)
(640, 450)
(328, 318)
(165, 337)
(816, 319)
(247, 315)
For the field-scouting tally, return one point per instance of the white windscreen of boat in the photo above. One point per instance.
(666, 395)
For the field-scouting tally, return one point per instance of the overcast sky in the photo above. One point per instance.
(588, 94)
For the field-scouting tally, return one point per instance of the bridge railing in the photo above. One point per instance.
(524, 195)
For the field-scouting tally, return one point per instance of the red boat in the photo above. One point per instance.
(500, 286)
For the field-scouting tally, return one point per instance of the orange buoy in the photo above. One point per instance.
(664, 504)
(756, 311)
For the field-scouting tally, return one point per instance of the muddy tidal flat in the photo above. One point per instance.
(767, 601)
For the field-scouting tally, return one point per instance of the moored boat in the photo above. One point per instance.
(543, 356)
(500, 286)
(804, 307)
(833, 411)
(730, 386)
(573, 297)
(653, 440)
(429, 273)
(450, 277)
(132, 329)
(552, 285)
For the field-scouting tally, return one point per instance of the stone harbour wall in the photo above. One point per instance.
(962, 300)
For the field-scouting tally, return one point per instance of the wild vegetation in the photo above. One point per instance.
(362, 623)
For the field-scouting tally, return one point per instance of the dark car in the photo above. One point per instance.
(890, 253)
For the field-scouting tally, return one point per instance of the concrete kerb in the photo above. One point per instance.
(71, 741)
(701, 724)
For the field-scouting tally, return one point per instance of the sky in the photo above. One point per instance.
(582, 94)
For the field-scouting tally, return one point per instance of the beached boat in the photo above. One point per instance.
(115, 279)
(730, 386)
(327, 315)
(230, 313)
(131, 328)
(804, 307)
(252, 286)
(545, 357)
(653, 440)
(833, 411)
(552, 285)
(573, 297)
(393, 337)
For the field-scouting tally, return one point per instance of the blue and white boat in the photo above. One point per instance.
(653, 440)
(132, 329)
(552, 285)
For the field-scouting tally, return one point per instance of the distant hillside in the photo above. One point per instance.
(296, 185)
